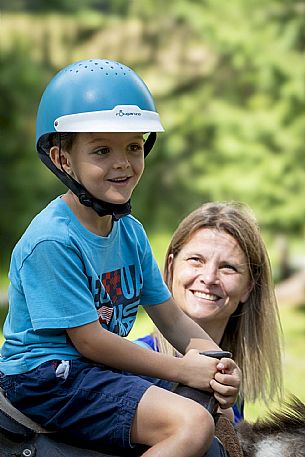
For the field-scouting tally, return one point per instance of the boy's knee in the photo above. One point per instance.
(193, 427)
(165, 416)
(198, 424)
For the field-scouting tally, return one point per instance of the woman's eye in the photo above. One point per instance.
(229, 267)
(194, 260)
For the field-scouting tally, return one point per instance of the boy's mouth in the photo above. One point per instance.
(119, 180)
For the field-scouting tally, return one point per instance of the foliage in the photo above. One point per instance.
(24, 184)
(65, 6)
(228, 79)
(238, 131)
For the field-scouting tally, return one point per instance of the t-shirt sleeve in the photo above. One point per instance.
(154, 289)
(56, 287)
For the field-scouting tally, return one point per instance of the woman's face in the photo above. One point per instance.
(210, 277)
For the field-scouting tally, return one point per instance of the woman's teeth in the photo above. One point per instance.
(204, 295)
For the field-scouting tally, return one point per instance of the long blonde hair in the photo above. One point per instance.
(253, 331)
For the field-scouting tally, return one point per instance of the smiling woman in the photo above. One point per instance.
(218, 270)
(210, 279)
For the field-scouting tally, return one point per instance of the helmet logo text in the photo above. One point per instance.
(127, 113)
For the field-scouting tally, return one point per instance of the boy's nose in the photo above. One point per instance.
(121, 160)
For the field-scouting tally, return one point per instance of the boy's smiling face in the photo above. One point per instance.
(108, 165)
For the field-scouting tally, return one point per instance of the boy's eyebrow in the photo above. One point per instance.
(100, 138)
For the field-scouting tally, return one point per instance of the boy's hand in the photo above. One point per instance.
(226, 382)
(198, 370)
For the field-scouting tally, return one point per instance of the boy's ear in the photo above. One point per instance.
(170, 268)
(170, 261)
(62, 161)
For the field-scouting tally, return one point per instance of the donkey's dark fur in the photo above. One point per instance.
(281, 434)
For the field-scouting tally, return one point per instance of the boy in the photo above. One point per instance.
(79, 273)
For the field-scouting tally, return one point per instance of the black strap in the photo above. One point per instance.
(14, 421)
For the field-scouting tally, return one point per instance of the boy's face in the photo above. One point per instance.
(108, 165)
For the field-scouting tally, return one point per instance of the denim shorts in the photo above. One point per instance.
(85, 401)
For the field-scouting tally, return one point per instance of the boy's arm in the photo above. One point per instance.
(102, 346)
(179, 329)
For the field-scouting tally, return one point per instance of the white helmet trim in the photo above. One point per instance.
(122, 118)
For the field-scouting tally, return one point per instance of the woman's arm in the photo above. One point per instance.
(179, 329)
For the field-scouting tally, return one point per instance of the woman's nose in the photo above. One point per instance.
(209, 275)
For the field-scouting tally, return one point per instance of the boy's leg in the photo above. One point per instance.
(171, 425)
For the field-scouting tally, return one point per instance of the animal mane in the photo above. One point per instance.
(288, 419)
(281, 433)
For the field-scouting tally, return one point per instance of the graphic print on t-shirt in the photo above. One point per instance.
(116, 297)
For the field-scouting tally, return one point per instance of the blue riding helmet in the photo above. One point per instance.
(95, 95)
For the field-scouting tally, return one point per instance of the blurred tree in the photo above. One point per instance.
(228, 78)
(119, 7)
(237, 132)
(24, 186)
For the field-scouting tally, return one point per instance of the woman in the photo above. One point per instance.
(218, 270)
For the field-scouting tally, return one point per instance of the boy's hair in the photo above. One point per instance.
(62, 140)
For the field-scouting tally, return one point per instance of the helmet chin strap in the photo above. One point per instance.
(101, 207)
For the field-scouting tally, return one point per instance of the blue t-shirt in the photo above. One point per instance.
(62, 275)
(149, 342)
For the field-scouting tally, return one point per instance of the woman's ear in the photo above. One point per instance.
(60, 159)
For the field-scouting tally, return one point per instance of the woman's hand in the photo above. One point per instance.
(226, 383)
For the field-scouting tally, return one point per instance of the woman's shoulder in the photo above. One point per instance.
(148, 342)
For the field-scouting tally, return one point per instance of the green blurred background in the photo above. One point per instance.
(229, 82)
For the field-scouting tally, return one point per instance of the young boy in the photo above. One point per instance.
(79, 273)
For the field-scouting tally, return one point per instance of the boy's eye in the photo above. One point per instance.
(135, 147)
(101, 151)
